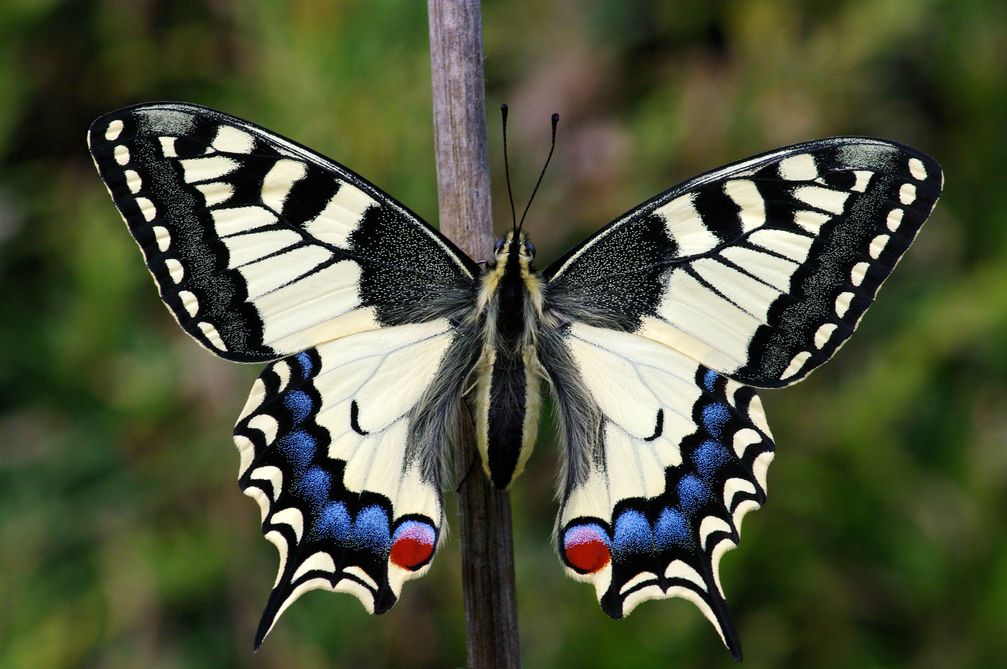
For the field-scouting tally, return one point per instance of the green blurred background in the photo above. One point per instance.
(124, 541)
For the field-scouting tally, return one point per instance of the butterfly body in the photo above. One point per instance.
(509, 374)
(651, 336)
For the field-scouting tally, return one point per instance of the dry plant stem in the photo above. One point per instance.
(466, 218)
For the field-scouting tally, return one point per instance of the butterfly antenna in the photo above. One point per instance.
(510, 193)
(552, 147)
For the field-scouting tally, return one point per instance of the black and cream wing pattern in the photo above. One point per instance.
(652, 334)
(265, 251)
(660, 325)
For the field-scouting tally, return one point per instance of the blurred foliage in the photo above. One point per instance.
(124, 541)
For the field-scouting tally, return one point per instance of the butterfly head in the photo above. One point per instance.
(514, 243)
(511, 271)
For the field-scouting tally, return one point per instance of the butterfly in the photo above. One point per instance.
(651, 335)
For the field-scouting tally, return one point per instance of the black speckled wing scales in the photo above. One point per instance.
(341, 446)
(760, 270)
(259, 247)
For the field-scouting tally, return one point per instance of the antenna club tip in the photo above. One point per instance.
(555, 118)
(503, 107)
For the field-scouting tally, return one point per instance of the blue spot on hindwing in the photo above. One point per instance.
(692, 493)
(633, 533)
(333, 522)
(304, 360)
(671, 529)
(370, 530)
(715, 416)
(709, 380)
(299, 403)
(314, 486)
(709, 457)
(298, 447)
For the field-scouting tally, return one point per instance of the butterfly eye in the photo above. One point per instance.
(498, 246)
(529, 249)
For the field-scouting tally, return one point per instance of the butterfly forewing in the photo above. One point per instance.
(762, 269)
(261, 248)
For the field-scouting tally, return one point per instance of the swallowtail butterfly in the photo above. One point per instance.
(652, 336)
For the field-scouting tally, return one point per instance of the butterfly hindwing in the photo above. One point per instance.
(681, 456)
(260, 247)
(347, 471)
(762, 269)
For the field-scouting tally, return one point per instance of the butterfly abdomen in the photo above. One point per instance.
(505, 394)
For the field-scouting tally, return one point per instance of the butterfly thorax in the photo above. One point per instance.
(508, 396)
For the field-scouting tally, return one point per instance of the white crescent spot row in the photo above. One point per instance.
(162, 237)
(802, 167)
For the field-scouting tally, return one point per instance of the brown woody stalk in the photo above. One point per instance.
(459, 101)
